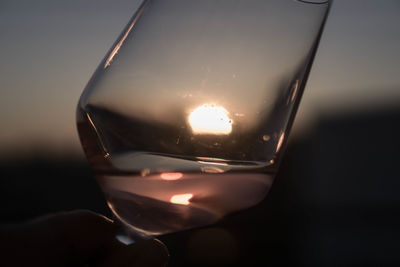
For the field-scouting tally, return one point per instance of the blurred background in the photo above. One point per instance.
(335, 200)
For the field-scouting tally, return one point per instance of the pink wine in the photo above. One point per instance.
(158, 193)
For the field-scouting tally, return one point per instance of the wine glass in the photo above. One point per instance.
(186, 118)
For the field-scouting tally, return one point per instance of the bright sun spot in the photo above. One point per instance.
(210, 119)
(171, 176)
(182, 199)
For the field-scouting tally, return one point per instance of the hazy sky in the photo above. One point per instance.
(50, 48)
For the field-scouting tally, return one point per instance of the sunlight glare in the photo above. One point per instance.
(182, 199)
(171, 176)
(210, 119)
(280, 142)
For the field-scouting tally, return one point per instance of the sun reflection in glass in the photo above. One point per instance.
(210, 119)
(171, 176)
(182, 199)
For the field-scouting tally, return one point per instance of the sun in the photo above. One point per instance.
(210, 119)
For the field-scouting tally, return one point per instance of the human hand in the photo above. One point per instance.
(77, 238)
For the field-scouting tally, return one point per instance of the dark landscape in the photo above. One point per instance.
(334, 202)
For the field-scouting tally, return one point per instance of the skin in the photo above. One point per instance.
(78, 238)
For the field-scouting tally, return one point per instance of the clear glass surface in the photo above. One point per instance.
(186, 118)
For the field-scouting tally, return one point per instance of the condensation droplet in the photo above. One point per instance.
(266, 137)
(145, 172)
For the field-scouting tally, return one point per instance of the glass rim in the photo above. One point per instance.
(315, 2)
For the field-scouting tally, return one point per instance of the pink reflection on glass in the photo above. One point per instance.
(171, 176)
(181, 199)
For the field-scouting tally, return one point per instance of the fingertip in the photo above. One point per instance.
(156, 247)
(149, 253)
(152, 253)
(83, 232)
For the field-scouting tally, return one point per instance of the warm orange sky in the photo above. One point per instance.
(50, 49)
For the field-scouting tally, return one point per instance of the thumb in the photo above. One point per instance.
(144, 253)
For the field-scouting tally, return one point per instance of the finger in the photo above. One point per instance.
(85, 233)
(151, 253)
